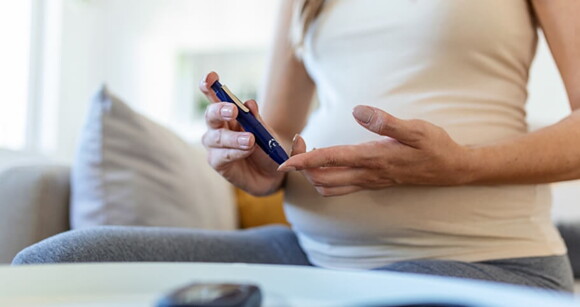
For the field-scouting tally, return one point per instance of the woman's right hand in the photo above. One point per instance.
(232, 152)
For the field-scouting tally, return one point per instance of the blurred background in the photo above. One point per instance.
(55, 54)
(152, 53)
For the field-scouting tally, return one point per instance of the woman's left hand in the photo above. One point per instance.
(413, 152)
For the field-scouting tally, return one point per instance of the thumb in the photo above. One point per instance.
(253, 106)
(409, 132)
(298, 145)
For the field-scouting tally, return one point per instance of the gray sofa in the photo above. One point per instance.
(34, 205)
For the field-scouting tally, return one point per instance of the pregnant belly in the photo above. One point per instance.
(398, 213)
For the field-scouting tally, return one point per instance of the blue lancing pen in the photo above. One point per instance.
(264, 139)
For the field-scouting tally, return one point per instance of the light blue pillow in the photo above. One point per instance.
(130, 170)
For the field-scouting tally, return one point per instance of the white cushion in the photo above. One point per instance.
(130, 170)
(566, 198)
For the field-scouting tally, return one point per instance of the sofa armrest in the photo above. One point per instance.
(34, 204)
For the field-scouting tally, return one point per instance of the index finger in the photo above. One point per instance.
(205, 86)
(215, 117)
(344, 155)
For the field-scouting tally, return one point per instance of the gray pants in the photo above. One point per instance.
(273, 245)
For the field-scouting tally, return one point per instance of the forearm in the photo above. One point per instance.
(288, 90)
(548, 155)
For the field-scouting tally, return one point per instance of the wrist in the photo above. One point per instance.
(276, 183)
(475, 164)
(279, 183)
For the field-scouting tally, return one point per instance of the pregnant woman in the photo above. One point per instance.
(423, 162)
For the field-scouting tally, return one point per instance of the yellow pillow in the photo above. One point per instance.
(257, 211)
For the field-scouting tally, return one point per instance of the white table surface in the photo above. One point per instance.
(141, 284)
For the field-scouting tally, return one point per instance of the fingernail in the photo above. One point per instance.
(244, 140)
(227, 111)
(286, 168)
(363, 113)
(292, 148)
(204, 79)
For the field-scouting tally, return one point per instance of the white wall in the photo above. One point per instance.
(548, 102)
(132, 46)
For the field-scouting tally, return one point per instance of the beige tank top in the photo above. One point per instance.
(460, 64)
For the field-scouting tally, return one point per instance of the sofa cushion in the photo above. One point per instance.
(34, 205)
(571, 234)
(130, 170)
(566, 214)
(257, 211)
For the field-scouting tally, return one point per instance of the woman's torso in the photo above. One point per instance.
(460, 64)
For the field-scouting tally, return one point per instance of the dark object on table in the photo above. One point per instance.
(427, 305)
(422, 303)
(213, 295)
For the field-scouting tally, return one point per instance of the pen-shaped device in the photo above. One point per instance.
(264, 139)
